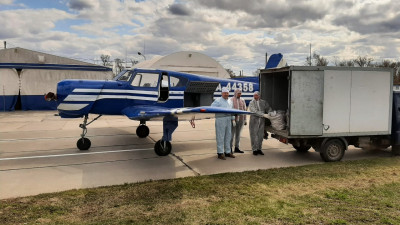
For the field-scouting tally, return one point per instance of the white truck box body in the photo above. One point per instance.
(330, 101)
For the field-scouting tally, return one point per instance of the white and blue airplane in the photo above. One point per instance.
(147, 94)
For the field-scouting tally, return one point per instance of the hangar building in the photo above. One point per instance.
(186, 62)
(25, 76)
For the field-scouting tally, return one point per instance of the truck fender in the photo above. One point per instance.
(346, 144)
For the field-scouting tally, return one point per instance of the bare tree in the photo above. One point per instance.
(386, 63)
(316, 60)
(105, 59)
(397, 69)
(338, 62)
(346, 63)
(134, 62)
(231, 73)
(363, 61)
(390, 64)
(350, 63)
(118, 65)
(319, 60)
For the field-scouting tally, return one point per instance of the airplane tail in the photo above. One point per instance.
(276, 61)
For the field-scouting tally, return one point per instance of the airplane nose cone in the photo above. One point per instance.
(50, 96)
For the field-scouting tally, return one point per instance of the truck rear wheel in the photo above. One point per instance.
(332, 150)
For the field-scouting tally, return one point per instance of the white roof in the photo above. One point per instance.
(187, 62)
(21, 55)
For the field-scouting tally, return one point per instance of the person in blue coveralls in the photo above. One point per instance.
(223, 124)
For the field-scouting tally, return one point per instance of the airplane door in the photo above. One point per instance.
(146, 86)
(163, 93)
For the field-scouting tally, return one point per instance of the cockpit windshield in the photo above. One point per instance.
(123, 75)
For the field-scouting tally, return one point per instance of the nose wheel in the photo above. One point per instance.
(84, 143)
(142, 130)
(162, 148)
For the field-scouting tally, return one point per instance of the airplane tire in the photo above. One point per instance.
(162, 149)
(83, 144)
(142, 131)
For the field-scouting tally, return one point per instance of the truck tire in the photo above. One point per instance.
(302, 148)
(395, 150)
(332, 150)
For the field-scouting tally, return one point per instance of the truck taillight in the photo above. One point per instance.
(283, 140)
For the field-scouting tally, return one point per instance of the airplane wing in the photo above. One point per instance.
(157, 113)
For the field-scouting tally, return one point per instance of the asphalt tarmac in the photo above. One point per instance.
(38, 153)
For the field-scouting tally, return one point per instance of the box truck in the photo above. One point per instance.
(330, 108)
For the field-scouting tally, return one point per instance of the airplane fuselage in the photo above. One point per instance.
(152, 88)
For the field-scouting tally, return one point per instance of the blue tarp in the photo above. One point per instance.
(33, 81)
(7, 102)
(36, 102)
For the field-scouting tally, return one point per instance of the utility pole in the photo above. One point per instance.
(310, 54)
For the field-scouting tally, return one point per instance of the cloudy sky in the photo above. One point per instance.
(237, 33)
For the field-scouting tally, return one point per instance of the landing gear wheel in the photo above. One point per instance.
(142, 131)
(332, 150)
(83, 144)
(162, 148)
(302, 148)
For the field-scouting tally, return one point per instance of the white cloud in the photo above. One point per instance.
(26, 22)
(236, 33)
(6, 2)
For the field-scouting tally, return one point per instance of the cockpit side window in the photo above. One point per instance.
(136, 80)
(177, 81)
(145, 80)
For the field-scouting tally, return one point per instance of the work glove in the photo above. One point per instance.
(259, 114)
(233, 123)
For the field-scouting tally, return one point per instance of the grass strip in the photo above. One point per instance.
(351, 192)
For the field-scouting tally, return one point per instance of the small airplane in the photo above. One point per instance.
(146, 94)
